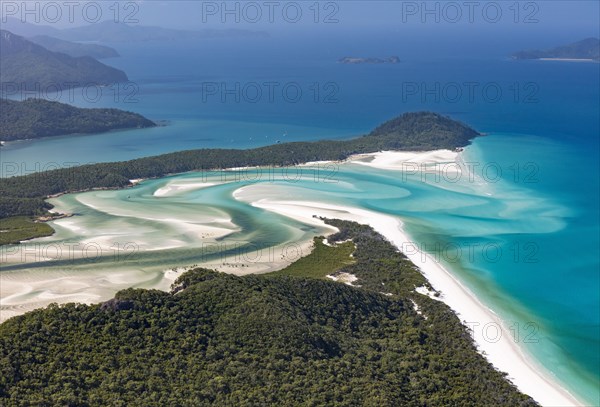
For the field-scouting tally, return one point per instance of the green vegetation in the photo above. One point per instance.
(34, 118)
(584, 49)
(411, 131)
(18, 228)
(217, 339)
(29, 66)
(22, 206)
(322, 261)
(74, 49)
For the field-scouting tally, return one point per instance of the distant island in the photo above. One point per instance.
(585, 50)
(30, 66)
(74, 49)
(116, 32)
(358, 60)
(35, 118)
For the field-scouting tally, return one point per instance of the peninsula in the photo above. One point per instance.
(74, 49)
(584, 50)
(219, 339)
(25, 65)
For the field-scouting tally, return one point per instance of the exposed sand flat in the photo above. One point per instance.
(437, 160)
(174, 188)
(265, 260)
(27, 290)
(110, 243)
(502, 352)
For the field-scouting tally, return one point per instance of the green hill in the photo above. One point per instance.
(588, 48)
(74, 49)
(218, 339)
(35, 118)
(30, 66)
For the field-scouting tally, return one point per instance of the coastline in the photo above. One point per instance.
(504, 354)
(530, 377)
(568, 59)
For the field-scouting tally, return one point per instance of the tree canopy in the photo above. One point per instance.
(217, 339)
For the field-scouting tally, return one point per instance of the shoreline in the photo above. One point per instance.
(525, 373)
(530, 376)
(568, 59)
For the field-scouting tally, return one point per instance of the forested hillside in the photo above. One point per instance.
(218, 339)
(35, 118)
(28, 66)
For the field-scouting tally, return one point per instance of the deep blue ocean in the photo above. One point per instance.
(542, 120)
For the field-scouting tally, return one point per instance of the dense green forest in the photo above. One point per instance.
(29, 66)
(217, 339)
(34, 118)
(22, 195)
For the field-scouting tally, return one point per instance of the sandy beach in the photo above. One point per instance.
(22, 291)
(498, 348)
(410, 161)
(26, 290)
(568, 59)
(490, 333)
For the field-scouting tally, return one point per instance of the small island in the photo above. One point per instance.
(584, 50)
(360, 60)
(36, 118)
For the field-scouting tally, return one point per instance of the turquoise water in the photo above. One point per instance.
(541, 212)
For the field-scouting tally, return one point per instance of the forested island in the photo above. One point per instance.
(25, 65)
(36, 118)
(291, 338)
(113, 31)
(587, 49)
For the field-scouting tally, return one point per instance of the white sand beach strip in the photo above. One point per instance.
(504, 354)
